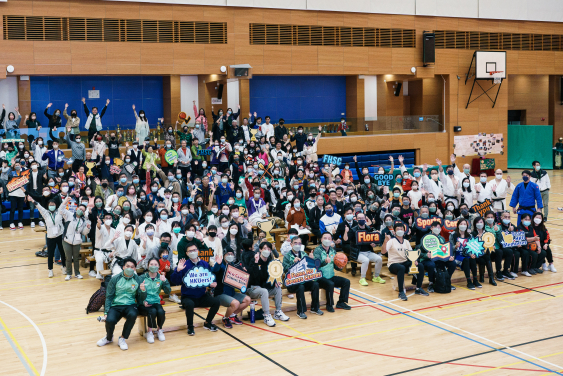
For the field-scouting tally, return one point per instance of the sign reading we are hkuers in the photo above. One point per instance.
(364, 237)
(425, 223)
(482, 207)
(198, 276)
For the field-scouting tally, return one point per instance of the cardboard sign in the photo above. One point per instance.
(513, 239)
(205, 255)
(331, 159)
(449, 224)
(171, 156)
(475, 247)
(364, 237)
(425, 223)
(5, 140)
(437, 251)
(487, 164)
(204, 151)
(236, 278)
(275, 271)
(384, 179)
(18, 182)
(442, 253)
(483, 207)
(305, 270)
(198, 277)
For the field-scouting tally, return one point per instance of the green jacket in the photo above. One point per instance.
(183, 246)
(498, 234)
(123, 291)
(288, 259)
(153, 287)
(185, 136)
(194, 152)
(326, 268)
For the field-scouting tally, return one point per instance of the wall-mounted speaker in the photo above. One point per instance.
(428, 46)
(220, 91)
(457, 129)
(398, 89)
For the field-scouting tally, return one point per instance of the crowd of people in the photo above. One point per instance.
(161, 215)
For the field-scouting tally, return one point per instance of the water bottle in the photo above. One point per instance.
(252, 313)
(101, 318)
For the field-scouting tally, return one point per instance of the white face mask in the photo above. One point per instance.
(462, 228)
(128, 234)
(190, 234)
(126, 221)
(499, 176)
(192, 255)
(107, 222)
(148, 219)
(224, 224)
(436, 230)
(225, 211)
(235, 215)
(233, 231)
(64, 189)
(266, 253)
(185, 212)
(537, 220)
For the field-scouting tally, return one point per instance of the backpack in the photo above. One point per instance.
(98, 299)
(443, 283)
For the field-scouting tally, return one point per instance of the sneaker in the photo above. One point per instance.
(538, 270)
(235, 320)
(12, 226)
(492, 281)
(526, 274)
(403, 296)
(290, 296)
(51, 274)
(20, 226)
(343, 305)
(1, 228)
(514, 274)
(150, 337)
(99, 276)
(378, 279)
(453, 288)
(41, 224)
(67, 278)
(532, 271)
(32, 224)
(268, 320)
(507, 275)
(363, 282)
(476, 283)
(330, 309)
(545, 267)
(92, 273)
(552, 268)
(78, 276)
(122, 344)
(104, 341)
(63, 270)
(302, 315)
(470, 285)
(211, 327)
(173, 298)
(431, 287)
(318, 312)
(191, 331)
(227, 323)
(499, 276)
(279, 315)
(160, 335)
(58, 262)
(421, 291)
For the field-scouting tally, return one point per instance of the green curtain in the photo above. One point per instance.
(528, 143)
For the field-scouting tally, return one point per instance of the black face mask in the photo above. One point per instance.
(104, 185)
(212, 234)
(113, 138)
(73, 114)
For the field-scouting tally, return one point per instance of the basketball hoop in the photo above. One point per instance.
(497, 76)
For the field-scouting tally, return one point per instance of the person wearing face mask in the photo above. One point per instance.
(498, 254)
(235, 302)
(169, 181)
(468, 263)
(531, 254)
(257, 208)
(224, 191)
(299, 138)
(213, 242)
(54, 158)
(112, 200)
(432, 185)
(200, 117)
(219, 124)
(38, 148)
(484, 260)
(500, 188)
(55, 121)
(526, 196)
(105, 236)
(122, 246)
(541, 178)
(124, 291)
(296, 218)
(103, 189)
(55, 227)
(364, 253)
(72, 121)
(141, 125)
(34, 188)
(406, 213)
(77, 225)
(484, 188)
(396, 249)
(78, 149)
(294, 256)
(467, 192)
(94, 121)
(450, 184)
(151, 306)
(260, 288)
(194, 297)
(545, 240)
(510, 270)
(17, 196)
(429, 265)
(461, 175)
(348, 221)
(330, 221)
(190, 237)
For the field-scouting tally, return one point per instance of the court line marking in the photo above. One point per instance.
(21, 240)
(512, 364)
(15, 348)
(473, 334)
(526, 288)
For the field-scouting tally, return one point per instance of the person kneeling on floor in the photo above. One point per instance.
(293, 257)
(122, 293)
(150, 307)
(259, 286)
(235, 302)
(398, 263)
(195, 297)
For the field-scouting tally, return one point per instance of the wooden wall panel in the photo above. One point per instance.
(530, 93)
(24, 98)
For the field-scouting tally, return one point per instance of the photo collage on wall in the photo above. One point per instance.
(480, 144)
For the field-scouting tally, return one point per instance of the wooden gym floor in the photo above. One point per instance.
(512, 329)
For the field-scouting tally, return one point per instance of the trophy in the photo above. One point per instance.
(266, 226)
(118, 132)
(253, 131)
(413, 256)
(159, 133)
(90, 166)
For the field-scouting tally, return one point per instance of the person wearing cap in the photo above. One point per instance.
(525, 197)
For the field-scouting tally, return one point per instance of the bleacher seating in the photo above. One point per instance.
(372, 161)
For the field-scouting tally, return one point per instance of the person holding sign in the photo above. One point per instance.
(525, 196)
(458, 240)
(396, 249)
(498, 253)
(123, 292)
(485, 259)
(426, 258)
(294, 256)
(364, 252)
(18, 178)
(195, 296)
(235, 302)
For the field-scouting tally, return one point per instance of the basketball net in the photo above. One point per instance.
(497, 76)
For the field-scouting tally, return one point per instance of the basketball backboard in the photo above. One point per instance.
(487, 62)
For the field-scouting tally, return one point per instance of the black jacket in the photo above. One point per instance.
(258, 271)
(314, 217)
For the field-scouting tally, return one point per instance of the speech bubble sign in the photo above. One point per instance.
(198, 277)
(430, 242)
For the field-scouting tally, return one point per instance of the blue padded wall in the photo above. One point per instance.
(299, 99)
(123, 91)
